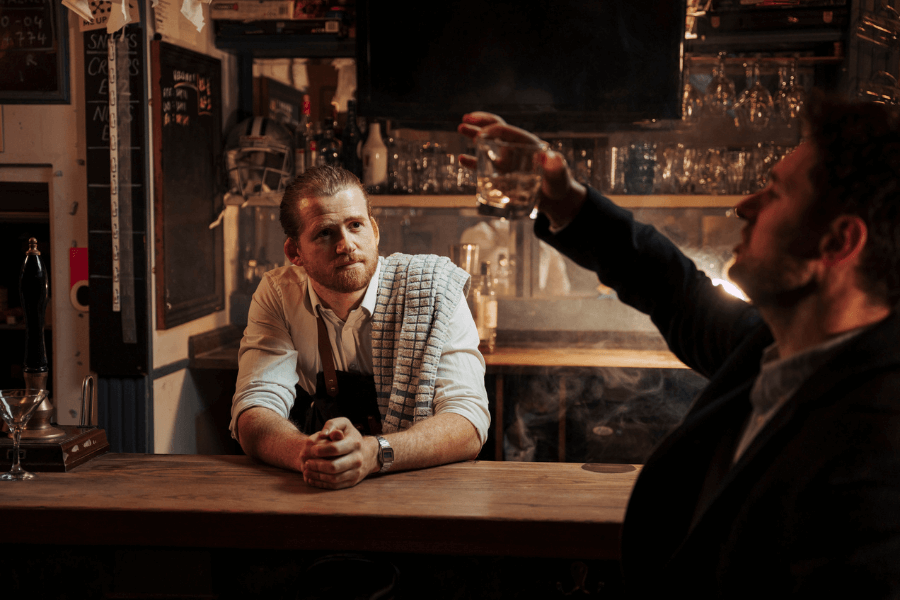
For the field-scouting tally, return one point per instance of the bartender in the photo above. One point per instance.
(352, 364)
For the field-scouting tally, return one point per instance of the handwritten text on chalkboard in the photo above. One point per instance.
(33, 52)
(190, 94)
(96, 68)
(26, 25)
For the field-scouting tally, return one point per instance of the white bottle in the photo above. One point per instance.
(375, 159)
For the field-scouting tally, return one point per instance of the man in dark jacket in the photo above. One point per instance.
(784, 477)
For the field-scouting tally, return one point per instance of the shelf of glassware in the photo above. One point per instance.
(625, 201)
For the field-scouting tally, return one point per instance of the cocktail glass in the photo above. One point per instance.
(508, 177)
(16, 408)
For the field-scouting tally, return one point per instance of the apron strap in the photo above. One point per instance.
(331, 384)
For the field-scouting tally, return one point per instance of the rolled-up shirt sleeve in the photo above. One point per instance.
(267, 360)
(459, 382)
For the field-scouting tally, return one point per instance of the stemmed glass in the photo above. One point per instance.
(719, 96)
(754, 107)
(691, 100)
(16, 408)
(788, 99)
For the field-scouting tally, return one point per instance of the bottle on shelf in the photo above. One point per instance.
(503, 276)
(328, 149)
(312, 145)
(302, 138)
(375, 160)
(351, 139)
(485, 303)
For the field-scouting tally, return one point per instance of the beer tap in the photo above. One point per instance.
(33, 294)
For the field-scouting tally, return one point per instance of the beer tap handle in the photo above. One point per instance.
(33, 293)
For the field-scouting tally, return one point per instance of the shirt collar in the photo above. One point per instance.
(368, 301)
(779, 377)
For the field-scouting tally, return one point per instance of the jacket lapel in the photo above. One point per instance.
(862, 354)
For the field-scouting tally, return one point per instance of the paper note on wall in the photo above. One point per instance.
(102, 11)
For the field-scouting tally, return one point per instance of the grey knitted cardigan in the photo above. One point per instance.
(417, 295)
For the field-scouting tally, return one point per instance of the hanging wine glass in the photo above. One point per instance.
(720, 95)
(691, 99)
(788, 100)
(754, 108)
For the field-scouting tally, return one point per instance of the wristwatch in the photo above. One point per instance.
(385, 454)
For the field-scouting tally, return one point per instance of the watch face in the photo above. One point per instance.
(385, 454)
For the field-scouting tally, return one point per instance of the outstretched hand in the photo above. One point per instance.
(561, 195)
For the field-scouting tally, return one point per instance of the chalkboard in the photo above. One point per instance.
(112, 352)
(34, 52)
(187, 132)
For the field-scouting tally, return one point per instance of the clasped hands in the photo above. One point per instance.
(338, 456)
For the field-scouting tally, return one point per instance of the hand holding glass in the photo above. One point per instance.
(508, 177)
(16, 408)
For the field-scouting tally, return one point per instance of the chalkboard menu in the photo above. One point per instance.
(187, 133)
(119, 335)
(34, 52)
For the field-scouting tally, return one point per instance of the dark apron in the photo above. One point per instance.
(338, 394)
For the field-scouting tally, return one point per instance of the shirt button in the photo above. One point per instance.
(353, 365)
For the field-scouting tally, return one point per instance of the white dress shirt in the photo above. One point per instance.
(279, 349)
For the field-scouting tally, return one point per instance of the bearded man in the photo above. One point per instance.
(783, 480)
(353, 364)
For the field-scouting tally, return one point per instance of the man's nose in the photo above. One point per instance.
(344, 243)
(747, 208)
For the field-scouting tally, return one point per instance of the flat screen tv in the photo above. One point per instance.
(547, 65)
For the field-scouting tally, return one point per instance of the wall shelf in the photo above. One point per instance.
(288, 46)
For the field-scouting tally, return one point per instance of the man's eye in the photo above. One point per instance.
(356, 224)
(324, 233)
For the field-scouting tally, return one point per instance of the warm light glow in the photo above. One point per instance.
(730, 288)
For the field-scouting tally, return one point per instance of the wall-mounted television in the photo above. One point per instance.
(547, 65)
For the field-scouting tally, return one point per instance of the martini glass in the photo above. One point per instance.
(16, 408)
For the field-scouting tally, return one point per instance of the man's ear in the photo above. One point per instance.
(375, 229)
(292, 252)
(845, 239)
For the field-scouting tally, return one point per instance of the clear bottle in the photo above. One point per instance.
(329, 150)
(351, 139)
(375, 160)
(485, 302)
(503, 276)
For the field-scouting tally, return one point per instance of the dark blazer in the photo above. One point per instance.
(812, 508)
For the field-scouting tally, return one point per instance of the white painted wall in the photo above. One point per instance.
(54, 135)
(180, 422)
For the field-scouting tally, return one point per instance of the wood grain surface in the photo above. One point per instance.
(226, 357)
(583, 357)
(478, 508)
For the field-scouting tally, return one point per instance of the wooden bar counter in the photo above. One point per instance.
(472, 508)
